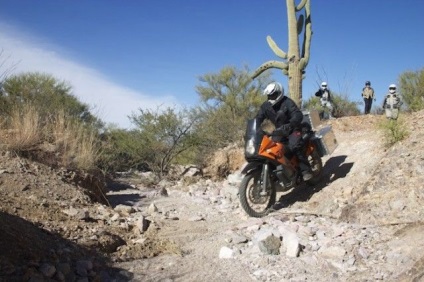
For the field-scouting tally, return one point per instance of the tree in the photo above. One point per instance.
(122, 150)
(296, 59)
(228, 99)
(411, 86)
(164, 135)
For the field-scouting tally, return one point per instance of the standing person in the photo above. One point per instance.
(286, 116)
(392, 103)
(325, 97)
(368, 95)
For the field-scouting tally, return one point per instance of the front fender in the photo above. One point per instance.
(251, 166)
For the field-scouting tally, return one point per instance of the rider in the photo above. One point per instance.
(392, 103)
(287, 117)
(368, 95)
(325, 97)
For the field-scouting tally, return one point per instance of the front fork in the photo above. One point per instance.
(265, 179)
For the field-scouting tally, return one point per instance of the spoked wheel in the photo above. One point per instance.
(252, 201)
(316, 164)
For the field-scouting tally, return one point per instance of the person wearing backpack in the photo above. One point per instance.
(368, 95)
(392, 103)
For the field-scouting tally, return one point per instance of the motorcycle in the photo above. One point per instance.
(272, 167)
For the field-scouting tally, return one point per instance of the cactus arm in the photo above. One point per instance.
(267, 65)
(301, 5)
(277, 51)
(306, 48)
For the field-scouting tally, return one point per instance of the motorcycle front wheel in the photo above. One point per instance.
(252, 201)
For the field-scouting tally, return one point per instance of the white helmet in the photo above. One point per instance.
(274, 91)
(392, 88)
(324, 85)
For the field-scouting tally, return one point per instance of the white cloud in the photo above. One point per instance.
(110, 102)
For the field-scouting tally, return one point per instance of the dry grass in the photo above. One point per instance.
(73, 144)
(21, 132)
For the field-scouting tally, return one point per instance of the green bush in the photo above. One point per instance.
(121, 151)
(46, 94)
(341, 104)
(411, 88)
(393, 131)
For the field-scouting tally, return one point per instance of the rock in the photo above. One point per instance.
(48, 270)
(142, 224)
(152, 208)
(332, 252)
(270, 245)
(124, 209)
(225, 253)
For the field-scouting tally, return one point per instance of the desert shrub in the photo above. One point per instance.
(40, 118)
(160, 138)
(411, 87)
(342, 106)
(46, 94)
(123, 150)
(393, 131)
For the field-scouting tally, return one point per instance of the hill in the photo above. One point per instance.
(361, 223)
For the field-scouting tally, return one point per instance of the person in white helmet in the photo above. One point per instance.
(287, 118)
(392, 103)
(325, 97)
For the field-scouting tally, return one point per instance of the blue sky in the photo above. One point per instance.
(120, 56)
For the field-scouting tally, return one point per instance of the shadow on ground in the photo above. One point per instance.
(24, 245)
(333, 169)
(122, 193)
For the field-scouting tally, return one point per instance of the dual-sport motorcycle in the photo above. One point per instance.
(272, 167)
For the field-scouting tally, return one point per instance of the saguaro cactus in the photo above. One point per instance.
(295, 61)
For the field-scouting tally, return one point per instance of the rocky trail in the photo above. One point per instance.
(361, 223)
(327, 231)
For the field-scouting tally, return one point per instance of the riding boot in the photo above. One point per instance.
(304, 165)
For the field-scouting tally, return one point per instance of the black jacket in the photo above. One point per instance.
(320, 92)
(285, 115)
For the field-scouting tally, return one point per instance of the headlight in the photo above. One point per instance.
(250, 147)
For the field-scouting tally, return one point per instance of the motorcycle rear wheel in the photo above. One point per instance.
(253, 203)
(316, 164)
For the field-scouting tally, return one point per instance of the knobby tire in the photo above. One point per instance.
(245, 188)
